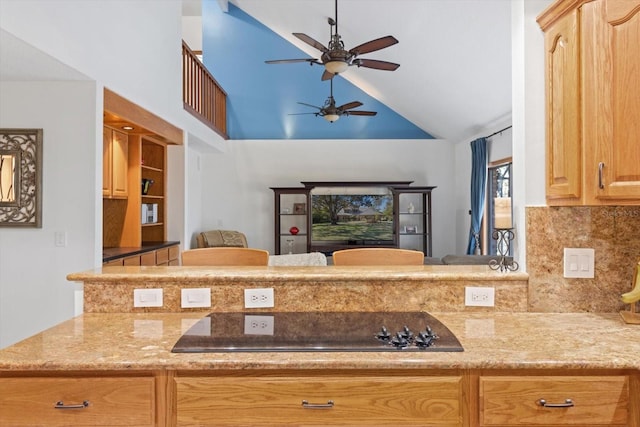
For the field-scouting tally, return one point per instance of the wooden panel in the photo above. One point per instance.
(115, 262)
(612, 92)
(514, 401)
(132, 260)
(564, 139)
(133, 113)
(162, 256)
(106, 162)
(269, 401)
(174, 252)
(131, 235)
(119, 164)
(111, 401)
(148, 258)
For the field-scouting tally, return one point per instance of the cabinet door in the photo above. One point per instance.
(119, 164)
(564, 154)
(106, 162)
(611, 33)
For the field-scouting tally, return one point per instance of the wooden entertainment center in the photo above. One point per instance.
(410, 219)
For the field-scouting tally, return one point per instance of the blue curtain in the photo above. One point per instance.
(478, 186)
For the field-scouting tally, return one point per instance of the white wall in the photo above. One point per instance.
(132, 47)
(235, 185)
(34, 292)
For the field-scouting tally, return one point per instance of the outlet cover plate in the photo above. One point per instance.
(258, 325)
(258, 298)
(479, 296)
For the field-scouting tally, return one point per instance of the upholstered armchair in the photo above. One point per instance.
(221, 238)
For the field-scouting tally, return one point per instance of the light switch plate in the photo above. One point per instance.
(195, 297)
(579, 263)
(147, 297)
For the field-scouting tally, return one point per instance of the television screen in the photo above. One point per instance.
(356, 219)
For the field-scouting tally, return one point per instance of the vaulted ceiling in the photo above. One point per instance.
(453, 82)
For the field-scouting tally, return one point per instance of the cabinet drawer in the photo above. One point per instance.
(162, 256)
(277, 401)
(148, 258)
(132, 260)
(516, 400)
(174, 253)
(111, 401)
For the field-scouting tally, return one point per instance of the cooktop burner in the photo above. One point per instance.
(317, 331)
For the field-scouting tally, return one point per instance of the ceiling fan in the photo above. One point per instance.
(331, 113)
(336, 59)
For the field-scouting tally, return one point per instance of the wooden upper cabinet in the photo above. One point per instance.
(611, 37)
(592, 57)
(115, 164)
(106, 162)
(564, 153)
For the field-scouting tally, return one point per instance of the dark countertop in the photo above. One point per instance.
(110, 254)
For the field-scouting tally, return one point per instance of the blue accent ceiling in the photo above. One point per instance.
(261, 97)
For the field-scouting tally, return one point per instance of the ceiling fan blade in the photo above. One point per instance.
(378, 65)
(310, 41)
(301, 114)
(327, 75)
(373, 45)
(360, 113)
(290, 61)
(309, 105)
(350, 105)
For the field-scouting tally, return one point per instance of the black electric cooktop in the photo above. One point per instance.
(317, 332)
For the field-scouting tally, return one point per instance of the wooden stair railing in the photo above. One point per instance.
(201, 94)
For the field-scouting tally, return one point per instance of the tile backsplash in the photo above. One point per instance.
(612, 231)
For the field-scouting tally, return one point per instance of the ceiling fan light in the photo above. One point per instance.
(331, 117)
(336, 67)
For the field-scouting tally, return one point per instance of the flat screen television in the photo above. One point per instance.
(354, 217)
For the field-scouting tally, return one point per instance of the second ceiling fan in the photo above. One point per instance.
(330, 112)
(334, 56)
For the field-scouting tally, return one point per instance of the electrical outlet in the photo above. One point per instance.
(258, 298)
(195, 297)
(479, 297)
(579, 263)
(258, 325)
(147, 297)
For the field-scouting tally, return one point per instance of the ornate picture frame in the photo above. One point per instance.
(21, 178)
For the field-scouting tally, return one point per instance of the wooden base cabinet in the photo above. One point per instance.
(78, 401)
(554, 401)
(346, 399)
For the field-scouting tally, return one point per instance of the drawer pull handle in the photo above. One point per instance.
(601, 175)
(61, 405)
(307, 405)
(568, 403)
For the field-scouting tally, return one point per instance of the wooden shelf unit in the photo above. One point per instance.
(286, 216)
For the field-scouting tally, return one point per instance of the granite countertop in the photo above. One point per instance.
(283, 273)
(143, 341)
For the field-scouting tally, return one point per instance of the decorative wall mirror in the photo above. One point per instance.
(20, 178)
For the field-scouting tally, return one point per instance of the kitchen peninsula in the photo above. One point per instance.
(115, 366)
